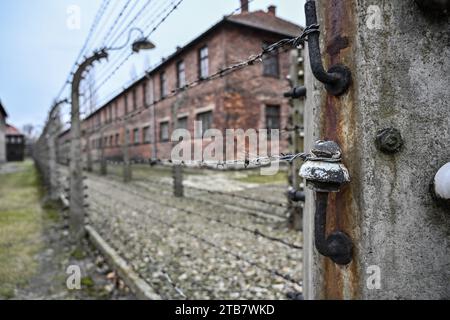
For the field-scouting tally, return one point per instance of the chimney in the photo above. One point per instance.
(244, 6)
(272, 10)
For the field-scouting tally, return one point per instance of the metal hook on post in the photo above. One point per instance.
(338, 78)
(325, 173)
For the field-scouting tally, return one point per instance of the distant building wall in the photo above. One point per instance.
(2, 138)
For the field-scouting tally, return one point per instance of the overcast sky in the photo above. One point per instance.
(40, 42)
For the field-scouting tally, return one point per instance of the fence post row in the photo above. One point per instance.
(177, 169)
(296, 140)
(127, 174)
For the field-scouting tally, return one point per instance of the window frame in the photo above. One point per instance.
(144, 94)
(201, 60)
(272, 117)
(146, 130)
(199, 117)
(180, 119)
(134, 97)
(161, 125)
(271, 58)
(162, 84)
(136, 137)
(181, 73)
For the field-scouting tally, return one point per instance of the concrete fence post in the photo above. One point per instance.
(53, 130)
(103, 164)
(392, 126)
(88, 150)
(77, 210)
(177, 169)
(296, 139)
(127, 174)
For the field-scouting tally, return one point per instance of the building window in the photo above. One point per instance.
(163, 84)
(144, 94)
(149, 93)
(126, 102)
(164, 131)
(146, 136)
(117, 139)
(134, 99)
(116, 114)
(136, 136)
(205, 119)
(111, 139)
(181, 74)
(203, 62)
(270, 64)
(182, 123)
(272, 117)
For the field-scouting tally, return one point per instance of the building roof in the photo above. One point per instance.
(260, 20)
(266, 21)
(12, 131)
(2, 110)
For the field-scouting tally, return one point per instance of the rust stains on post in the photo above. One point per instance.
(338, 124)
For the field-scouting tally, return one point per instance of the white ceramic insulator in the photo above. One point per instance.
(442, 182)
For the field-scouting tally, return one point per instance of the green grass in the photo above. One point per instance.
(21, 218)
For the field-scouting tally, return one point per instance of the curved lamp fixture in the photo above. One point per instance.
(142, 43)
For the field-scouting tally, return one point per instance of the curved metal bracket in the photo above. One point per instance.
(338, 245)
(338, 78)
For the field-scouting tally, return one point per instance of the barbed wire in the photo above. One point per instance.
(297, 41)
(255, 232)
(162, 270)
(146, 27)
(119, 31)
(100, 12)
(114, 24)
(128, 56)
(248, 210)
(208, 242)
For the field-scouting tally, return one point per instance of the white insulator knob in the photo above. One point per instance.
(441, 182)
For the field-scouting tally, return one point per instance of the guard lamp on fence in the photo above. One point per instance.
(141, 43)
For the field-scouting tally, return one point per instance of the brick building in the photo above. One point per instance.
(249, 98)
(3, 116)
(15, 144)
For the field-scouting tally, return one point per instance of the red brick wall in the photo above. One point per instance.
(237, 100)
